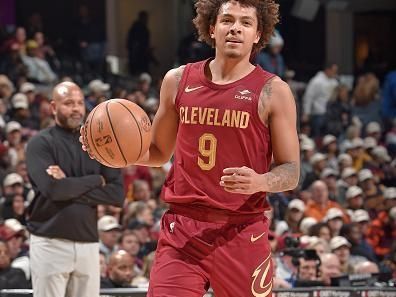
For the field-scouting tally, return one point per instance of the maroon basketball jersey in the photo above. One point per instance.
(219, 127)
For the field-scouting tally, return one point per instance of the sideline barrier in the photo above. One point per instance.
(297, 292)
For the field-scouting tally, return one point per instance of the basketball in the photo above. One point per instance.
(118, 132)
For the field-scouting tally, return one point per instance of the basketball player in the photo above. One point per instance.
(64, 248)
(225, 120)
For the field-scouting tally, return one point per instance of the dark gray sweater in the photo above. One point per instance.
(66, 208)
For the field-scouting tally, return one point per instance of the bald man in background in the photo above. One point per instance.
(330, 267)
(68, 186)
(120, 271)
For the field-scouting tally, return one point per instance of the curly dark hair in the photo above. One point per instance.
(267, 16)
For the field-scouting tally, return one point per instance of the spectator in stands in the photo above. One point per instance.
(129, 242)
(369, 144)
(45, 51)
(30, 91)
(381, 166)
(320, 203)
(278, 282)
(318, 92)
(14, 208)
(306, 224)
(141, 190)
(388, 107)
(340, 246)
(373, 129)
(12, 64)
(20, 112)
(354, 196)
(307, 147)
(329, 177)
(279, 203)
(17, 41)
(109, 232)
(142, 231)
(46, 117)
(270, 58)
(366, 104)
(6, 90)
(140, 212)
(119, 270)
(4, 162)
(144, 85)
(348, 179)
(285, 267)
(359, 246)
(330, 267)
(321, 230)
(382, 230)
(137, 96)
(318, 162)
(13, 184)
(358, 154)
(103, 265)
(10, 278)
(15, 240)
(335, 218)
(390, 197)
(16, 146)
(97, 93)
(39, 70)
(366, 267)
(344, 161)
(143, 279)
(361, 217)
(330, 148)
(373, 196)
(319, 245)
(338, 112)
(132, 173)
(308, 270)
(293, 217)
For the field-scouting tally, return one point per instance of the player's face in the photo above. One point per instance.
(235, 31)
(70, 110)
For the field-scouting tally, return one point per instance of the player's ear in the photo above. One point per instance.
(258, 37)
(211, 31)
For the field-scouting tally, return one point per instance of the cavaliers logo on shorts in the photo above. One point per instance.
(262, 279)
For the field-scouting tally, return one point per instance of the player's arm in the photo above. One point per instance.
(277, 109)
(284, 139)
(165, 122)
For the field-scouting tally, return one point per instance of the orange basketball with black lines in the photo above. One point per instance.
(118, 133)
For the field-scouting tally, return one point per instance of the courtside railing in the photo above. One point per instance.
(296, 292)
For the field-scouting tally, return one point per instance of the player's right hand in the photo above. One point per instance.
(84, 143)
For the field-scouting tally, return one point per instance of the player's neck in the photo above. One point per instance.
(225, 70)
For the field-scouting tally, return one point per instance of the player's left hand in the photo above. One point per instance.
(241, 180)
(56, 172)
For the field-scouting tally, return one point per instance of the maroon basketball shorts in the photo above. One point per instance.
(193, 255)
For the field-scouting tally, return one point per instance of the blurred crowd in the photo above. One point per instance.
(340, 220)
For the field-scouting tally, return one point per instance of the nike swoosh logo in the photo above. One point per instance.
(188, 89)
(253, 239)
